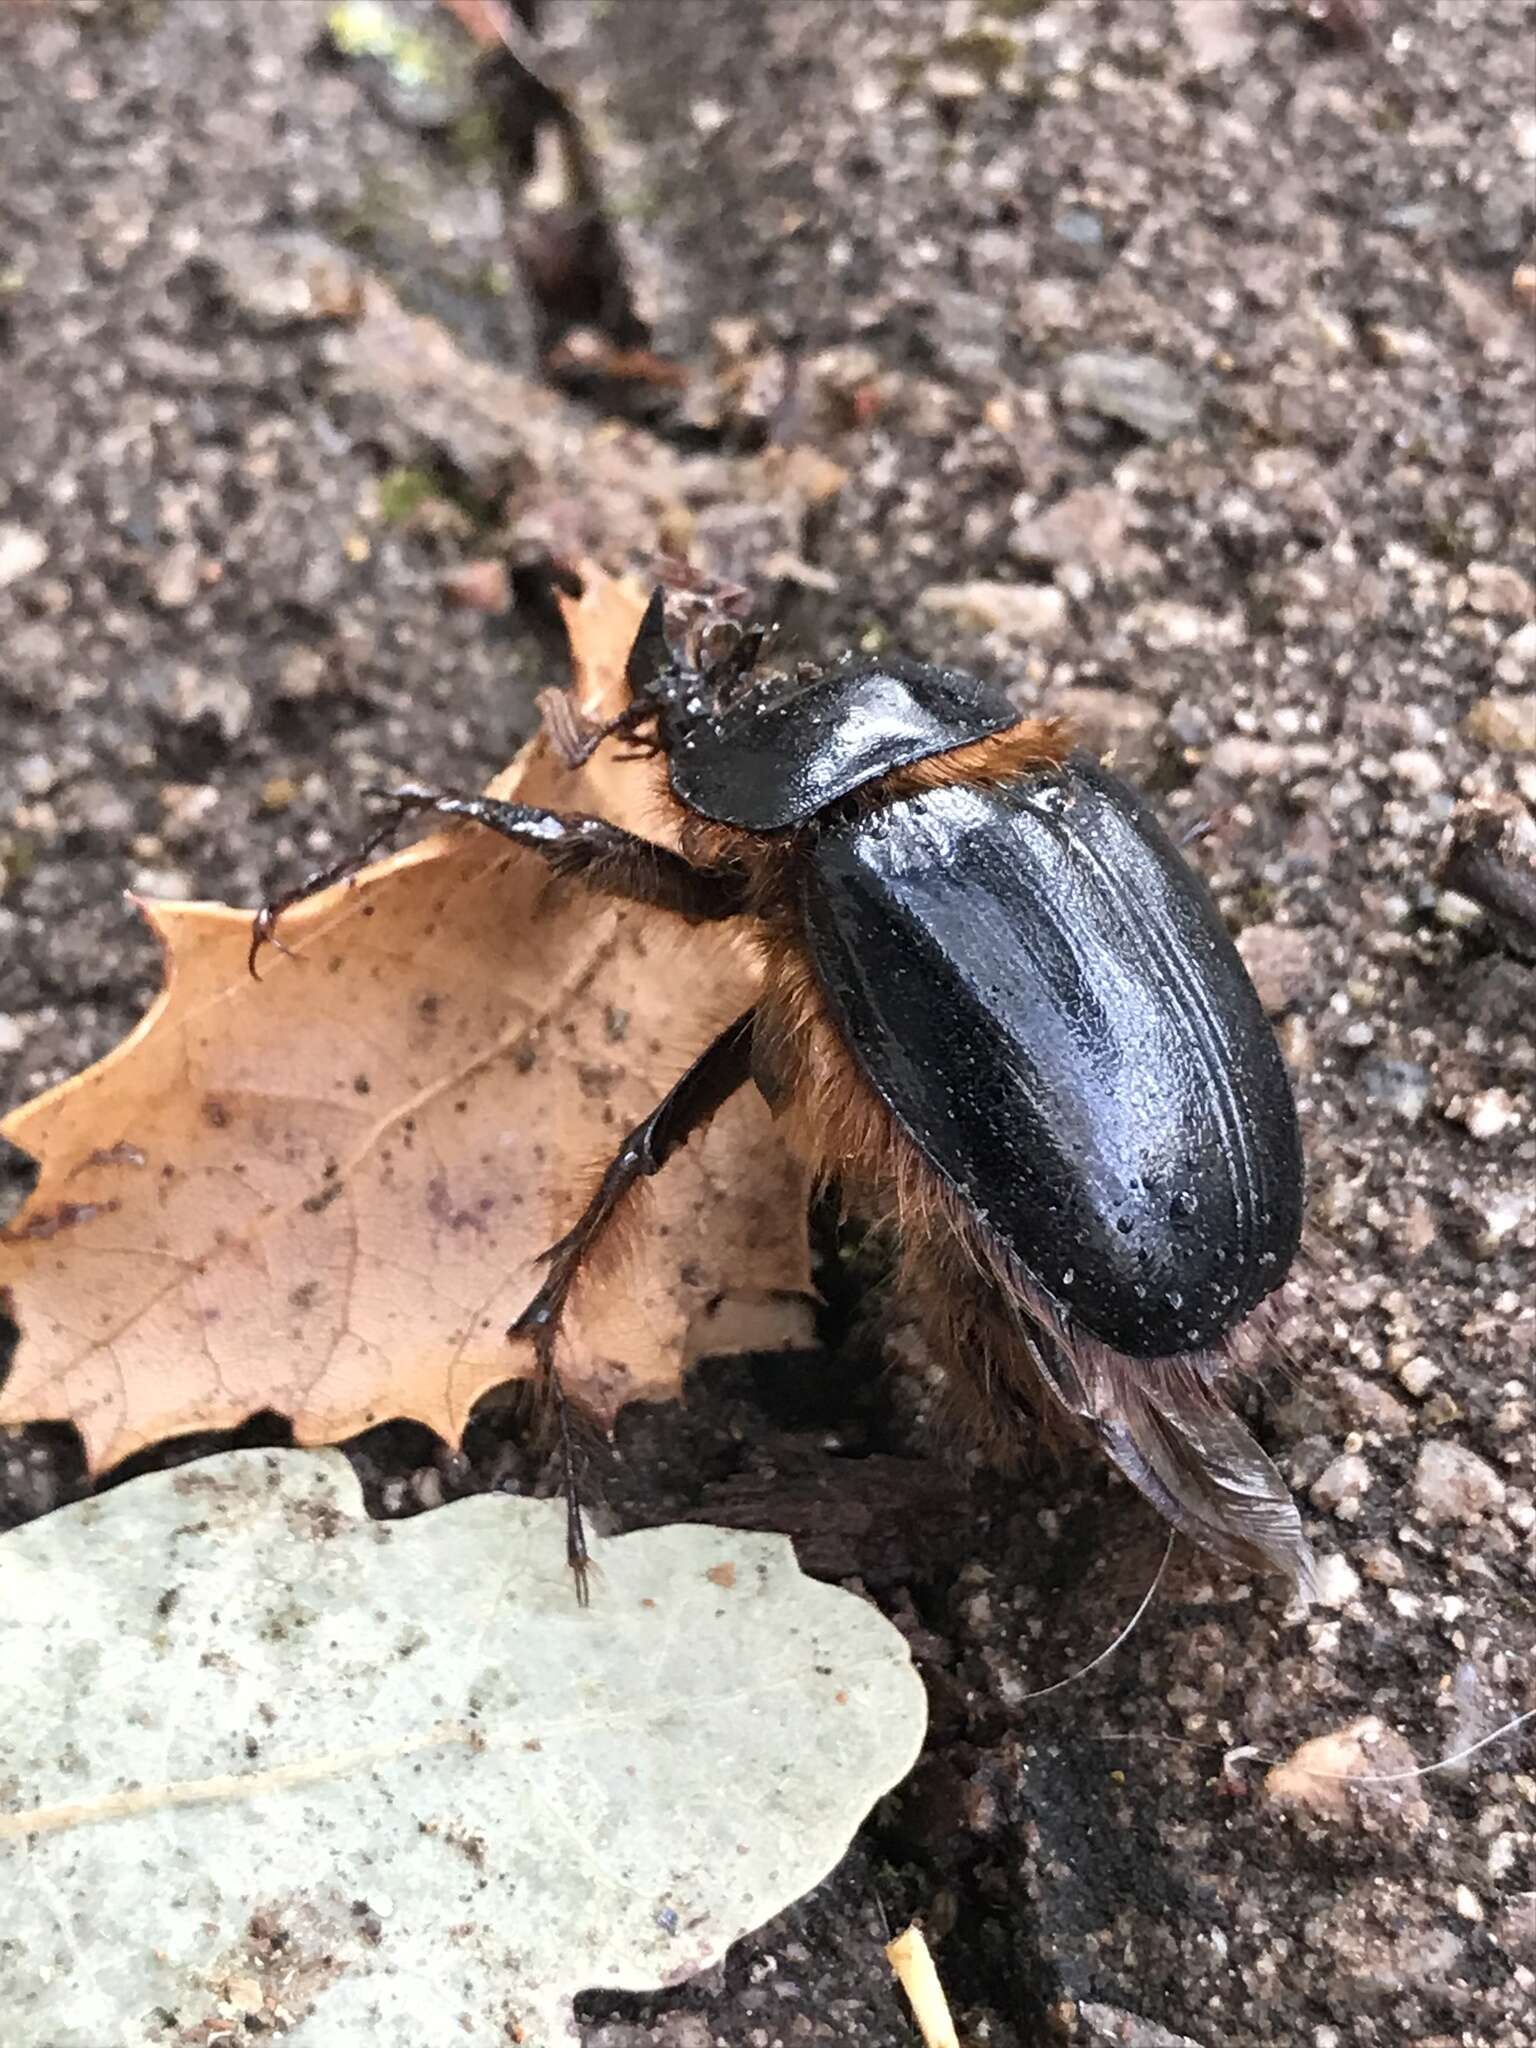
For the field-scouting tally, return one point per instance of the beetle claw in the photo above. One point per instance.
(264, 933)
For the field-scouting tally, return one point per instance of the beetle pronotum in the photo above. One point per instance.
(998, 1009)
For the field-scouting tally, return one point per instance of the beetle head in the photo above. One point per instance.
(681, 687)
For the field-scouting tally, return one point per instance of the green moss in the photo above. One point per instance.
(472, 137)
(987, 51)
(18, 861)
(124, 17)
(403, 492)
(1447, 540)
(641, 202)
(495, 278)
(366, 28)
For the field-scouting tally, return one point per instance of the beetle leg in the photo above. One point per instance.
(264, 923)
(604, 856)
(722, 1068)
(576, 738)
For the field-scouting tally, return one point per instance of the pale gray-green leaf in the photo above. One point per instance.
(268, 1765)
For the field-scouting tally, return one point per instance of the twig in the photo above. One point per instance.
(908, 1956)
(1491, 858)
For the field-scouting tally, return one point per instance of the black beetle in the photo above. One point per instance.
(998, 1010)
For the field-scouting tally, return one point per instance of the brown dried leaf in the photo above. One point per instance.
(326, 1193)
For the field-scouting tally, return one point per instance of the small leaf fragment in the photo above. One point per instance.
(267, 1760)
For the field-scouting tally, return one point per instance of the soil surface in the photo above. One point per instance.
(1276, 551)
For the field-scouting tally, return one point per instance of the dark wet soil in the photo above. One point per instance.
(1277, 552)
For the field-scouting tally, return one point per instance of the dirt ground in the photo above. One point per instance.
(1281, 560)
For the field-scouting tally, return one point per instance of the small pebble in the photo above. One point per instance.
(1519, 650)
(1418, 1377)
(1338, 1489)
(1497, 588)
(427, 1485)
(1401, 1086)
(243, 1994)
(1500, 1213)
(1490, 1114)
(1219, 33)
(21, 551)
(1506, 722)
(1364, 1404)
(1336, 1583)
(1033, 613)
(1453, 1484)
(161, 884)
(1382, 1565)
(1503, 1853)
(1329, 1777)
(1238, 759)
(1087, 527)
(36, 775)
(1081, 227)
(175, 581)
(1282, 963)
(1168, 626)
(1138, 390)
(302, 676)
(482, 586)
(1459, 913)
(192, 696)
(102, 809)
(1110, 2026)
(1421, 772)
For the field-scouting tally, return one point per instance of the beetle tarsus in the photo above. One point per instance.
(577, 1556)
(541, 1321)
(575, 738)
(572, 737)
(264, 923)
